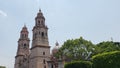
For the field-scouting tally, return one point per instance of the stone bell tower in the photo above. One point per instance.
(40, 50)
(23, 49)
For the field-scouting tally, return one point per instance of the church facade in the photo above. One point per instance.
(38, 56)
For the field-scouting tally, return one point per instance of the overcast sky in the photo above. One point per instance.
(95, 20)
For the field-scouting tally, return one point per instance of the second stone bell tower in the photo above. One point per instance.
(40, 50)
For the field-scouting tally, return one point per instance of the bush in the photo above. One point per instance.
(2, 67)
(78, 64)
(107, 60)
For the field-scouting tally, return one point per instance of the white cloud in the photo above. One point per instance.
(3, 13)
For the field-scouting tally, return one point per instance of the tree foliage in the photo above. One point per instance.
(107, 46)
(76, 49)
(78, 64)
(81, 49)
(107, 60)
(2, 67)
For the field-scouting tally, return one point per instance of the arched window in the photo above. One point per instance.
(38, 22)
(25, 35)
(44, 61)
(46, 34)
(22, 35)
(43, 53)
(25, 46)
(42, 34)
(39, 32)
(42, 22)
(52, 66)
(44, 66)
(35, 35)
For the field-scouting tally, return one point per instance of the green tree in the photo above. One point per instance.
(76, 49)
(78, 64)
(107, 46)
(107, 60)
(2, 67)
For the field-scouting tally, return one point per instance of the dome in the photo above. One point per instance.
(56, 48)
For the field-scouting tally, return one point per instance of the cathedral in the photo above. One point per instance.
(38, 56)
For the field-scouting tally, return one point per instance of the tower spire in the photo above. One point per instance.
(39, 10)
(40, 19)
(24, 33)
(24, 24)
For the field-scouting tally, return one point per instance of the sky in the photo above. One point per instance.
(94, 20)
